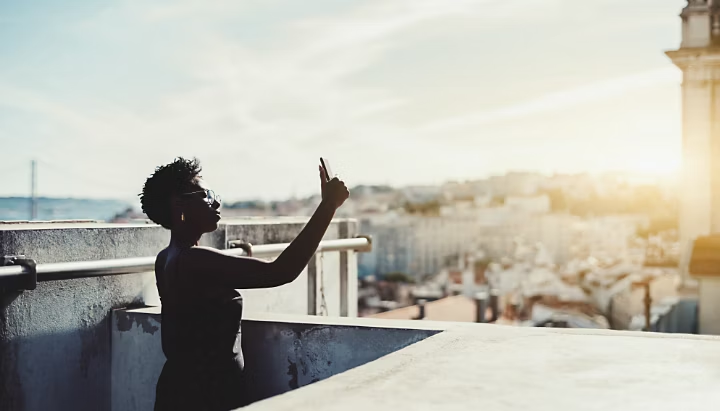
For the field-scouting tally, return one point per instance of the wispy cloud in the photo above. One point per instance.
(247, 107)
(558, 100)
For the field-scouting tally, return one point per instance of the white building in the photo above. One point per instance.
(393, 245)
(415, 244)
(607, 237)
(528, 204)
(699, 59)
(556, 232)
(526, 219)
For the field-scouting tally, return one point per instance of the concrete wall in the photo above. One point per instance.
(709, 305)
(56, 338)
(696, 31)
(681, 318)
(280, 355)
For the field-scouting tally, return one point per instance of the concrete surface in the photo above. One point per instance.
(55, 351)
(282, 352)
(491, 367)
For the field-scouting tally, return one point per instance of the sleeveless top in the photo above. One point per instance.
(200, 322)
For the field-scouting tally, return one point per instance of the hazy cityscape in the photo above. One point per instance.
(527, 215)
(570, 245)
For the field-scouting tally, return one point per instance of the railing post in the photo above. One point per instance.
(481, 304)
(494, 305)
(344, 304)
(312, 286)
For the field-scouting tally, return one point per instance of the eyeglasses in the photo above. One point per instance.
(210, 196)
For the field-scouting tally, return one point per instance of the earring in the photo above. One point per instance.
(182, 216)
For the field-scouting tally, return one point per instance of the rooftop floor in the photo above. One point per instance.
(492, 367)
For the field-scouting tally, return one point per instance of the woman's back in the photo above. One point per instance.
(201, 337)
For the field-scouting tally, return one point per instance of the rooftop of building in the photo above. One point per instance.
(56, 353)
(456, 308)
(539, 310)
(480, 366)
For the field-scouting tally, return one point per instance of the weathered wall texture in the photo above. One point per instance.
(283, 356)
(55, 341)
(280, 356)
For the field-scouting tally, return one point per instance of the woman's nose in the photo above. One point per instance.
(216, 204)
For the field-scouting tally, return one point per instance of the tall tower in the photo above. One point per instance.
(699, 59)
(33, 190)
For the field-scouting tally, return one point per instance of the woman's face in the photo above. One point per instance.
(200, 207)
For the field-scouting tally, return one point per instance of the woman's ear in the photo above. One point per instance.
(176, 210)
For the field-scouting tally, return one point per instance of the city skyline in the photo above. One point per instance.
(101, 94)
(667, 183)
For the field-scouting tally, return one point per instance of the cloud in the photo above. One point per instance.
(301, 92)
(375, 23)
(558, 100)
(244, 107)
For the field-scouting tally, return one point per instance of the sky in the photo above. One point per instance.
(391, 91)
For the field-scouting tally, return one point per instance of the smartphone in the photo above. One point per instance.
(326, 166)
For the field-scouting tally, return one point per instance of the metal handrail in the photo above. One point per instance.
(359, 244)
(84, 269)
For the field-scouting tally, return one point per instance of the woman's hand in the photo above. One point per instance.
(334, 192)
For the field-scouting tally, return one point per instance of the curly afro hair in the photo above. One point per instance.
(163, 184)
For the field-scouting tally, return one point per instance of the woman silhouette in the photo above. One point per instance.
(201, 309)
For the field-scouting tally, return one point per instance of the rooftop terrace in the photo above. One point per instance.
(86, 342)
(478, 366)
(374, 364)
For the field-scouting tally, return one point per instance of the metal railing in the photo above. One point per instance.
(84, 269)
(360, 244)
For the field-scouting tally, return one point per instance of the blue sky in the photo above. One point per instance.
(393, 91)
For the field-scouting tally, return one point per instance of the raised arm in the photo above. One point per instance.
(245, 272)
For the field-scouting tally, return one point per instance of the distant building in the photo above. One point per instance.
(529, 204)
(607, 237)
(393, 246)
(415, 244)
(697, 57)
(502, 227)
(556, 232)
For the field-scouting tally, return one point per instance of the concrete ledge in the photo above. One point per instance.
(282, 352)
(55, 348)
(395, 364)
(478, 366)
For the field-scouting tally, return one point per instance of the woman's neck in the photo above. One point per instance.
(183, 239)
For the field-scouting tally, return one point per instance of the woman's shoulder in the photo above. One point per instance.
(199, 252)
(161, 259)
(192, 259)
